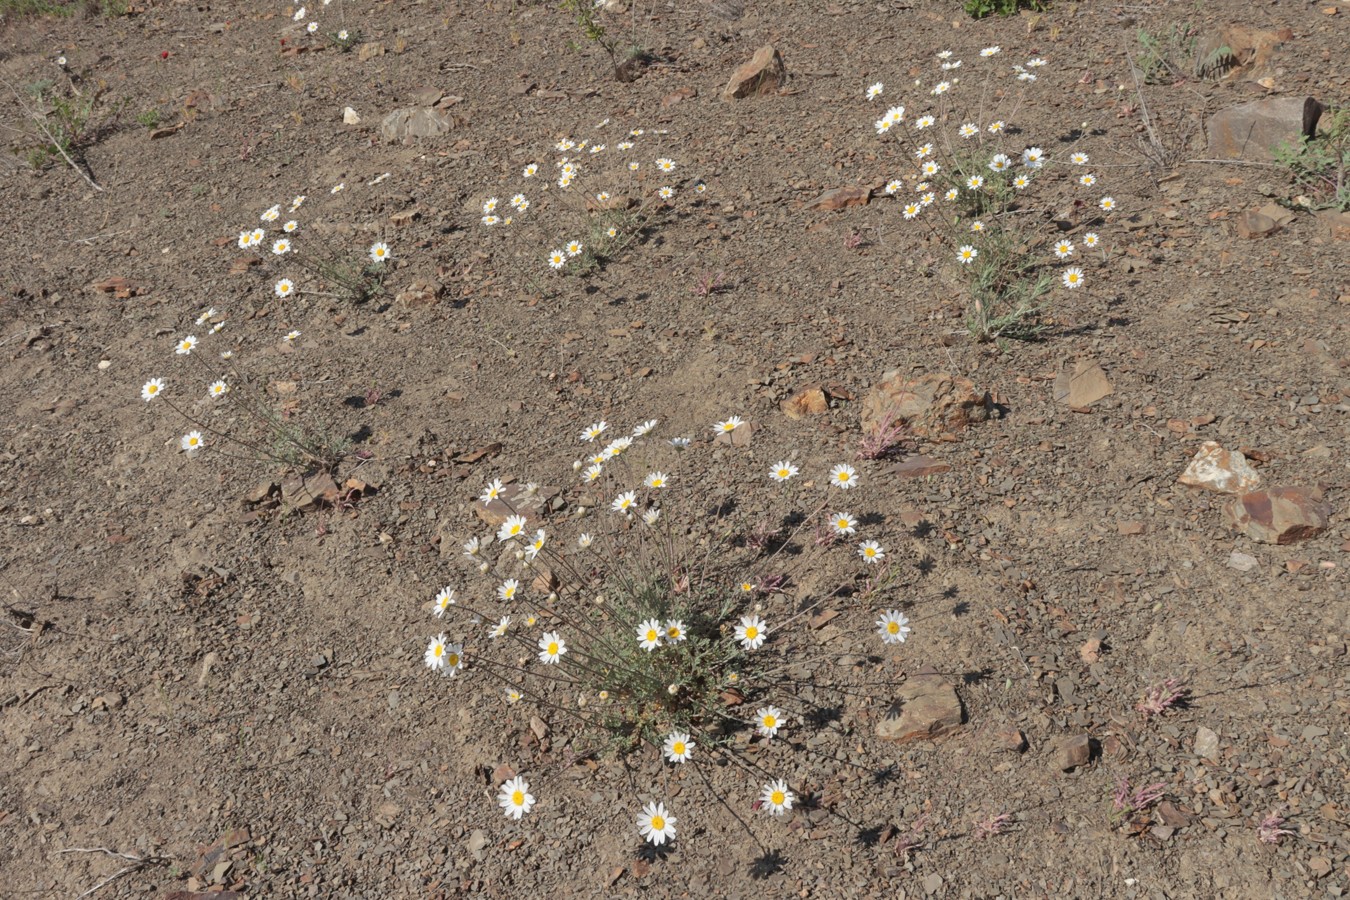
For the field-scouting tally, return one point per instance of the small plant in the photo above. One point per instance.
(905, 843)
(972, 197)
(231, 418)
(885, 438)
(1162, 696)
(1320, 165)
(627, 61)
(148, 118)
(709, 283)
(67, 120)
(642, 624)
(346, 39)
(991, 827)
(344, 274)
(1269, 830)
(606, 200)
(1130, 805)
(1170, 57)
(978, 9)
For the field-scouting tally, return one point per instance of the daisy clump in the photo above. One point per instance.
(302, 261)
(584, 201)
(626, 610)
(222, 417)
(1016, 222)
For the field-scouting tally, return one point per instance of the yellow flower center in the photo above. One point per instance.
(658, 823)
(553, 648)
(652, 635)
(843, 476)
(777, 798)
(893, 627)
(518, 798)
(677, 748)
(510, 592)
(453, 660)
(870, 551)
(770, 721)
(673, 633)
(751, 633)
(438, 650)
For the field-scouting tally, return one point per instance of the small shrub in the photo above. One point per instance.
(640, 620)
(978, 9)
(1320, 166)
(973, 196)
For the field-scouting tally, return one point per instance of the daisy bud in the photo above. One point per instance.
(520, 554)
(483, 567)
(552, 597)
(673, 690)
(576, 466)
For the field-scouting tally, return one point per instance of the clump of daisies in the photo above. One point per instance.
(342, 37)
(585, 202)
(620, 606)
(978, 189)
(226, 414)
(300, 262)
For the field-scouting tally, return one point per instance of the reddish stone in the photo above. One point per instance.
(1280, 515)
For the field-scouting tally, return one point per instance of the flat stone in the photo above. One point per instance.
(842, 198)
(1206, 744)
(406, 125)
(1082, 385)
(350, 117)
(920, 467)
(929, 405)
(1252, 130)
(1072, 752)
(761, 75)
(1216, 469)
(1280, 515)
(511, 502)
(927, 708)
(1243, 562)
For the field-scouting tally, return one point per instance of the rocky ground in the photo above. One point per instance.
(1122, 547)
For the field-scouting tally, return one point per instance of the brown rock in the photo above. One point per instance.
(762, 74)
(1252, 130)
(929, 405)
(920, 467)
(1091, 651)
(419, 294)
(927, 707)
(841, 198)
(1072, 752)
(1279, 515)
(684, 93)
(1012, 739)
(809, 401)
(738, 437)
(1263, 222)
(1252, 224)
(1082, 385)
(1337, 223)
(1216, 469)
